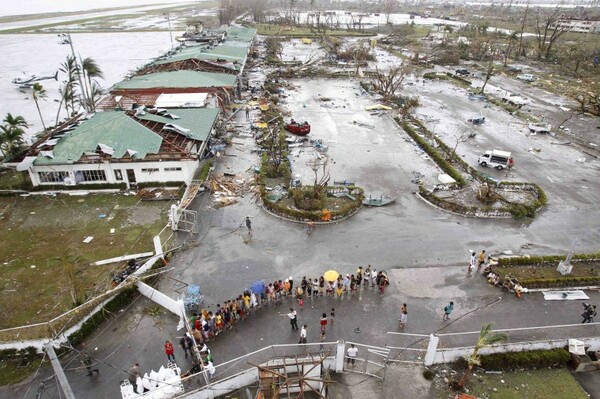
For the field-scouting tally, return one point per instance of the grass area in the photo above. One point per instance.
(580, 269)
(39, 229)
(12, 372)
(276, 30)
(532, 384)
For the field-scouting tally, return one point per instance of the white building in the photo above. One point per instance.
(577, 25)
(123, 147)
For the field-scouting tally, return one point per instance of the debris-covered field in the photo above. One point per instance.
(42, 235)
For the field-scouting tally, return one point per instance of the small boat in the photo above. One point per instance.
(300, 129)
(378, 201)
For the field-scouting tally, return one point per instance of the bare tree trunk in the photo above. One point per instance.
(521, 50)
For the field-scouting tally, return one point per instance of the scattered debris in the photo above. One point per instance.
(378, 107)
(362, 124)
(226, 188)
(158, 194)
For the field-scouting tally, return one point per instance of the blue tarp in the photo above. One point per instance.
(258, 287)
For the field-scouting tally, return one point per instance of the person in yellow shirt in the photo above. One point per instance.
(481, 259)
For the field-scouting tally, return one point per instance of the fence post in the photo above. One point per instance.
(158, 246)
(339, 356)
(431, 349)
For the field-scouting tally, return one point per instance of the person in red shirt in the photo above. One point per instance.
(170, 351)
(323, 322)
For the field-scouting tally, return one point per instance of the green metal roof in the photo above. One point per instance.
(178, 79)
(114, 129)
(229, 52)
(199, 121)
(239, 33)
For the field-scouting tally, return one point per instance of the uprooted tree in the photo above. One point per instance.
(486, 338)
(313, 197)
(387, 83)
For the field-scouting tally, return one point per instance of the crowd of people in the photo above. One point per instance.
(207, 324)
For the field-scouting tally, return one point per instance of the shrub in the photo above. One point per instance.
(428, 374)
(514, 360)
(161, 184)
(309, 199)
(95, 186)
(205, 170)
(535, 260)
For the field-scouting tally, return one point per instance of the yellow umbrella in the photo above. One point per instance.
(330, 275)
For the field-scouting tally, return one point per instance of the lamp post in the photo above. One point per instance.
(65, 38)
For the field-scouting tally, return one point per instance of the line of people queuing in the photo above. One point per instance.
(207, 324)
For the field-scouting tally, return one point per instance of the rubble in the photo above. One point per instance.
(228, 187)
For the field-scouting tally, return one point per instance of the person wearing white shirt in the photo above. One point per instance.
(303, 334)
(351, 354)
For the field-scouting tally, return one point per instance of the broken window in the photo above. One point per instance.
(52, 177)
(91, 175)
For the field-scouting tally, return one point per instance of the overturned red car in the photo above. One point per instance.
(300, 129)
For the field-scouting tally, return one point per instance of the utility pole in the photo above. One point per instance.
(65, 38)
(169, 22)
(60, 374)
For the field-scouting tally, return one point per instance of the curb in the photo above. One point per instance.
(459, 214)
(280, 217)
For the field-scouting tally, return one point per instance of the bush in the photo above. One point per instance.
(308, 199)
(553, 259)
(95, 186)
(205, 170)
(514, 360)
(161, 184)
(428, 374)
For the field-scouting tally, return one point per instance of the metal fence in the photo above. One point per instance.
(235, 368)
(406, 347)
(370, 360)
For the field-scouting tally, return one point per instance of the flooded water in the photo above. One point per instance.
(45, 6)
(41, 55)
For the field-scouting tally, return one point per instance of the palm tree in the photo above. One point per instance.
(11, 134)
(39, 93)
(486, 338)
(91, 70)
(70, 68)
(95, 94)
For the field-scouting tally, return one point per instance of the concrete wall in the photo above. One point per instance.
(453, 354)
(188, 168)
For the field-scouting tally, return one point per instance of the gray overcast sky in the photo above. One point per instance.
(45, 6)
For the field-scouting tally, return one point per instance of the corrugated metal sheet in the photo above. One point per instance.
(239, 33)
(113, 129)
(178, 79)
(199, 121)
(227, 52)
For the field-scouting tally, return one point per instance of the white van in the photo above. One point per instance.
(496, 159)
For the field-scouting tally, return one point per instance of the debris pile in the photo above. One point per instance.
(158, 193)
(227, 189)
